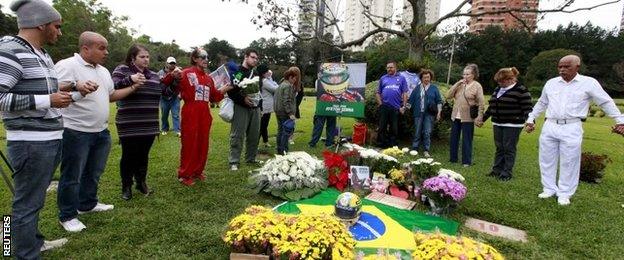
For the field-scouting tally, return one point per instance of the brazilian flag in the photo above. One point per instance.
(380, 227)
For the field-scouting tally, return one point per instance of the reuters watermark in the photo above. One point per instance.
(6, 235)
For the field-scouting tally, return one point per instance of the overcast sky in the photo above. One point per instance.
(195, 22)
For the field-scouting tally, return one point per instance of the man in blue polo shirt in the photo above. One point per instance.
(391, 99)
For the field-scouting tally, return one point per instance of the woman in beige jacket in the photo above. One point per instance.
(465, 93)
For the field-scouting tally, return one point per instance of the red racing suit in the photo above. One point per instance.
(197, 90)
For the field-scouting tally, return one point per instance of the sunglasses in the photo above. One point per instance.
(203, 57)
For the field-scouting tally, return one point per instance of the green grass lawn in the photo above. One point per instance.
(187, 222)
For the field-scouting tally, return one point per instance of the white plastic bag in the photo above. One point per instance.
(226, 110)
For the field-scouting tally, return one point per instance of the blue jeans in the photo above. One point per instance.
(83, 162)
(423, 125)
(282, 136)
(330, 130)
(34, 163)
(166, 105)
(466, 130)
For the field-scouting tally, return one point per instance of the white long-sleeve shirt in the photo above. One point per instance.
(568, 100)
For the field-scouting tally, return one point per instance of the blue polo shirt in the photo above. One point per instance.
(391, 88)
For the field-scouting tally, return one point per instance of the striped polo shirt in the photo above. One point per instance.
(137, 114)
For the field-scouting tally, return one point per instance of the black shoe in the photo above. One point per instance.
(504, 177)
(142, 187)
(126, 193)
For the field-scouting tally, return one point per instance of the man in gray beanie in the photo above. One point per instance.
(29, 103)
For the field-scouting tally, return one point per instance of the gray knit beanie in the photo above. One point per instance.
(32, 13)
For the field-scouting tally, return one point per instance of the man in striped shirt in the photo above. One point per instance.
(30, 102)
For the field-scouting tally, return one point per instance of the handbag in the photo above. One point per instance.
(447, 110)
(432, 109)
(226, 110)
(474, 109)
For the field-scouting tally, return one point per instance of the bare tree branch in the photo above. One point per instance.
(522, 22)
(451, 14)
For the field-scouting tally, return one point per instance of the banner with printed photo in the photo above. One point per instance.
(340, 89)
(220, 76)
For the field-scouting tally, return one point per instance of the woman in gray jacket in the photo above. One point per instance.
(267, 89)
(285, 106)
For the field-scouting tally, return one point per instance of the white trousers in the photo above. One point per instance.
(560, 144)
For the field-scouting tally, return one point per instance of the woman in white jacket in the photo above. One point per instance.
(267, 89)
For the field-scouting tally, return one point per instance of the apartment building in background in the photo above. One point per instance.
(357, 24)
(514, 20)
(315, 15)
(432, 12)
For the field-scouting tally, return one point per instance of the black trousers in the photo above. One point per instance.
(264, 127)
(134, 158)
(388, 116)
(506, 140)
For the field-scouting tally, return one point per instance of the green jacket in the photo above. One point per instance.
(284, 103)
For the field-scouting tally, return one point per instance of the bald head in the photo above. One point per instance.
(93, 47)
(89, 38)
(568, 67)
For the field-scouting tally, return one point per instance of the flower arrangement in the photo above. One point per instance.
(592, 166)
(394, 151)
(422, 168)
(443, 192)
(337, 170)
(262, 231)
(293, 176)
(378, 162)
(397, 176)
(451, 175)
(441, 246)
(250, 86)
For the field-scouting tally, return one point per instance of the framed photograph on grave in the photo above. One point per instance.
(360, 177)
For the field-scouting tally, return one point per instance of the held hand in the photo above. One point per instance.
(138, 78)
(177, 73)
(226, 88)
(479, 123)
(248, 101)
(86, 87)
(529, 127)
(402, 110)
(60, 99)
(293, 117)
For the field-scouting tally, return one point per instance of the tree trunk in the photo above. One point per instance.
(416, 49)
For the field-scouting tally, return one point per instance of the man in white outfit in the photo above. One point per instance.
(566, 101)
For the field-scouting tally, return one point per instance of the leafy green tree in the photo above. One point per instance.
(544, 67)
(493, 49)
(8, 24)
(219, 51)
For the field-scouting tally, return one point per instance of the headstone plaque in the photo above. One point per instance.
(496, 229)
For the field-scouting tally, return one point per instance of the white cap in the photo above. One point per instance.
(171, 60)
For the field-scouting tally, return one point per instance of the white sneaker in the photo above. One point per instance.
(163, 133)
(73, 225)
(545, 195)
(99, 207)
(563, 201)
(426, 154)
(49, 245)
(234, 167)
(267, 145)
(291, 142)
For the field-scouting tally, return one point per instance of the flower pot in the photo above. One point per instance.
(441, 210)
(239, 256)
